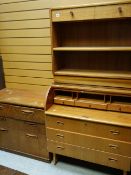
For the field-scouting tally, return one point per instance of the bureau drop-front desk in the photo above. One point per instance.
(22, 122)
(81, 130)
(88, 112)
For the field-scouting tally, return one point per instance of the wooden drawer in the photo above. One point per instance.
(87, 141)
(24, 137)
(64, 100)
(73, 14)
(119, 107)
(9, 134)
(108, 159)
(25, 113)
(89, 104)
(3, 109)
(113, 11)
(4, 132)
(33, 139)
(89, 128)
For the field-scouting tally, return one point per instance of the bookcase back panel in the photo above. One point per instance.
(93, 33)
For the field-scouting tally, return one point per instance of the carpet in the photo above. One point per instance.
(9, 171)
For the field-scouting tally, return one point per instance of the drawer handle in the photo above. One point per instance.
(72, 13)
(60, 135)
(112, 159)
(60, 147)
(120, 9)
(60, 123)
(1, 107)
(31, 135)
(115, 132)
(113, 146)
(3, 129)
(2, 118)
(27, 111)
(31, 123)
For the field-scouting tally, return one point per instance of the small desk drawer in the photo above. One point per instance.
(87, 141)
(64, 100)
(108, 159)
(89, 128)
(89, 104)
(73, 14)
(26, 113)
(113, 11)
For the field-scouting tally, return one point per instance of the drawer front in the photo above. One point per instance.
(89, 128)
(33, 139)
(73, 14)
(4, 132)
(85, 103)
(107, 159)
(113, 11)
(87, 141)
(3, 110)
(25, 113)
(64, 101)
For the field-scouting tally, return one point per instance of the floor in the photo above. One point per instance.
(64, 166)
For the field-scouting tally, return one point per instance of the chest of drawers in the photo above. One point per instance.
(22, 123)
(90, 135)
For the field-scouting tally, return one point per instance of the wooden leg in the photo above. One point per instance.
(124, 173)
(54, 158)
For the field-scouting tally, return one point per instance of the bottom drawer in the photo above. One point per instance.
(103, 158)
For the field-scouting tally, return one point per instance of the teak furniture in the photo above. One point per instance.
(22, 122)
(88, 109)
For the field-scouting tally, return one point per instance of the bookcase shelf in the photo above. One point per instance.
(94, 73)
(92, 49)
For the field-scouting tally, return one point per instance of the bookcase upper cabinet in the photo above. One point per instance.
(92, 44)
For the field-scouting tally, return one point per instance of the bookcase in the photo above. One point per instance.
(91, 50)
(97, 45)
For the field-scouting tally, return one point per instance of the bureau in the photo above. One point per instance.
(22, 123)
(88, 108)
(90, 135)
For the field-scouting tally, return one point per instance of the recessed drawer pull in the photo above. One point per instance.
(3, 129)
(31, 135)
(112, 159)
(120, 9)
(115, 132)
(60, 123)
(60, 135)
(113, 146)
(27, 111)
(60, 147)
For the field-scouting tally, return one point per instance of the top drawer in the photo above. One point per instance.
(73, 14)
(89, 128)
(24, 113)
(88, 13)
(113, 11)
